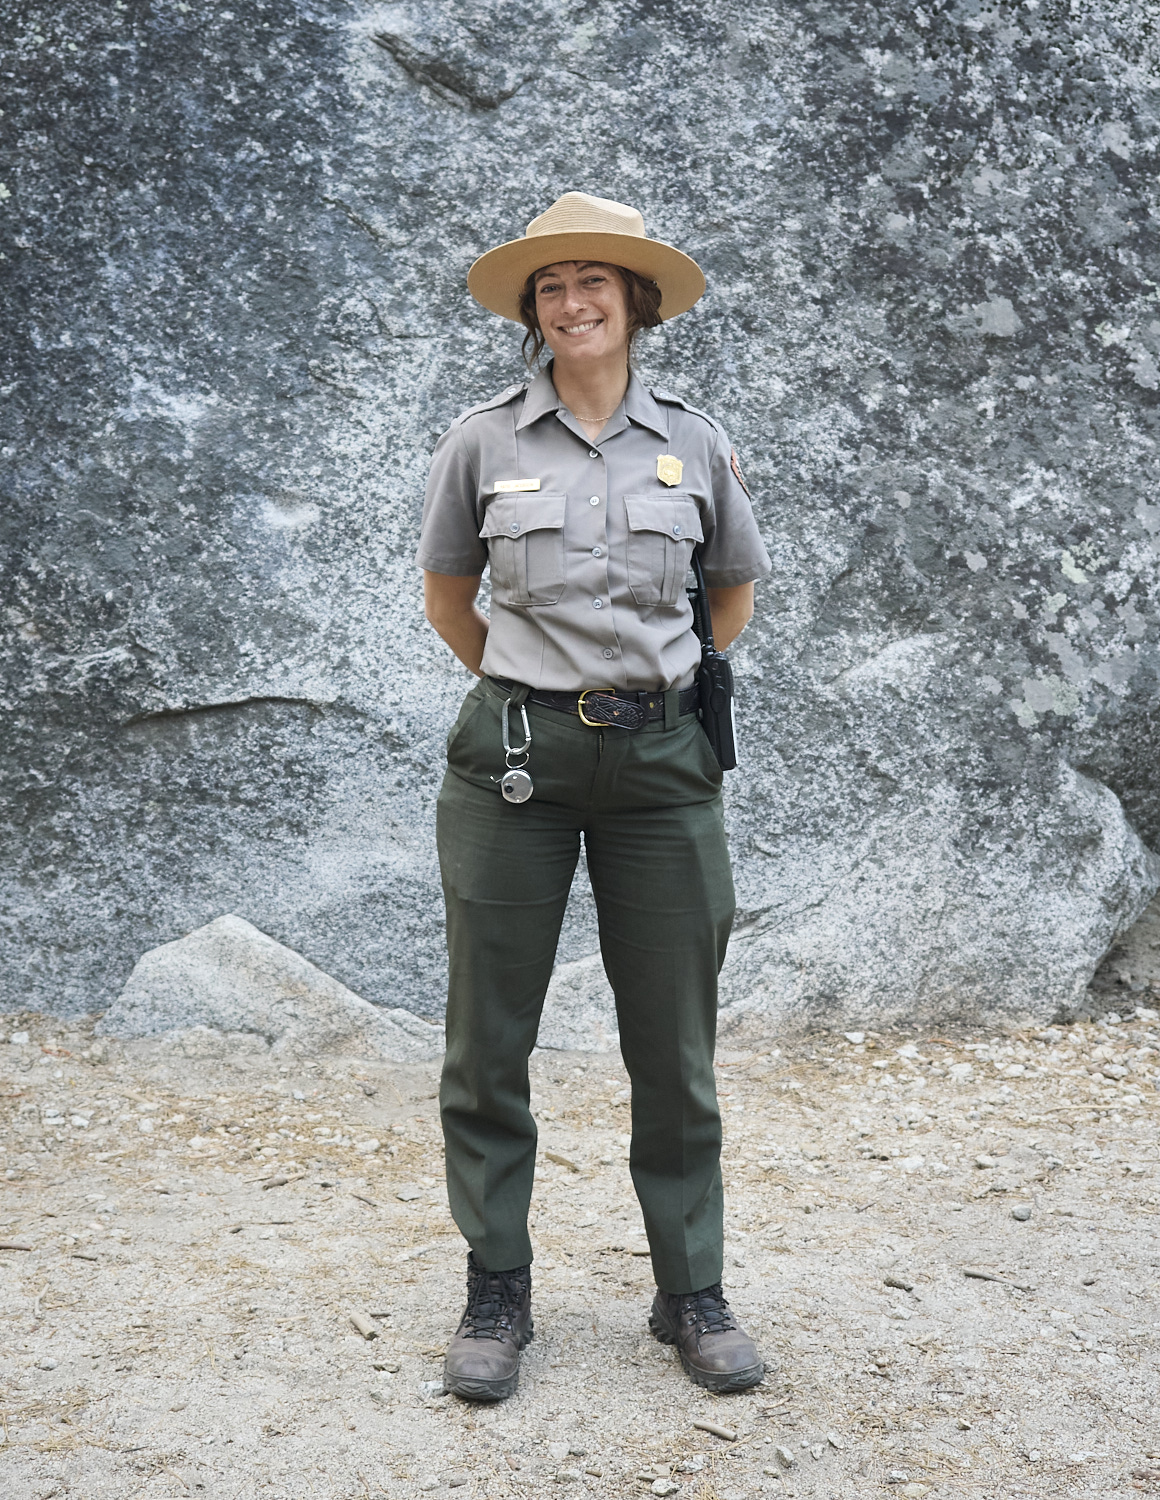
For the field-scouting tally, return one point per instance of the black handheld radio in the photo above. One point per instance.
(714, 679)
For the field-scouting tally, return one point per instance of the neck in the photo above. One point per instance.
(595, 389)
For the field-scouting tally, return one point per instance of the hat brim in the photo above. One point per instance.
(497, 279)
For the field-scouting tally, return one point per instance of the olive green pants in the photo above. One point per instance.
(648, 804)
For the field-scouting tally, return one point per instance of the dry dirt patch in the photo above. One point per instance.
(179, 1327)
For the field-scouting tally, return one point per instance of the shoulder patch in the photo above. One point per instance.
(671, 400)
(501, 400)
(737, 474)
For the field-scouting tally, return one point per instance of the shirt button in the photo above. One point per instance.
(676, 530)
(608, 653)
(598, 604)
(594, 500)
(598, 552)
(592, 453)
(515, 526)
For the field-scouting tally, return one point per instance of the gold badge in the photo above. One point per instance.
(514, 486)
(669, 469)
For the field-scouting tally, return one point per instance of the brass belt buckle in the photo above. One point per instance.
(584, 719)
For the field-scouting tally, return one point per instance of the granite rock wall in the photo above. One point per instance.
(234, 245)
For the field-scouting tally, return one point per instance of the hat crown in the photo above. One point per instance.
(581, 213)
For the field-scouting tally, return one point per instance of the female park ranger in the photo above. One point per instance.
(585, 494)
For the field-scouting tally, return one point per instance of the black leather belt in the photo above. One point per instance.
(601, 706)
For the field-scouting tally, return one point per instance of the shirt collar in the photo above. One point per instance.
(540, 400)
(639, 406)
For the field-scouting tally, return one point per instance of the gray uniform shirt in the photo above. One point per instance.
(588, 545)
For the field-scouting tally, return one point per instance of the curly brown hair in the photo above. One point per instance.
(642, 304)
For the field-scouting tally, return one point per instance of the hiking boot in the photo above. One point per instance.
(483, 1359)
(713, 1350)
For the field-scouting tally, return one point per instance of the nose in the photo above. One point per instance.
(574, 299)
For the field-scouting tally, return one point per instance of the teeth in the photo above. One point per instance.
(583, 327)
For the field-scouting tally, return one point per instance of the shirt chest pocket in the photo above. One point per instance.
(662, 532)
(525, 547)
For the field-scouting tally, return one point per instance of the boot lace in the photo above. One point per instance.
(710, 1309)
(493, 1300)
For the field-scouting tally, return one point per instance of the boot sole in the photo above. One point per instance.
(482, 1390)
(709, 1380)
(474, 1389)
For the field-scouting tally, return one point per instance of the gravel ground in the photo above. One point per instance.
(181, 1326)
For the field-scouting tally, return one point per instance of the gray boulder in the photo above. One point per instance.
(237, 322)
(229, 977)
(579, 1011)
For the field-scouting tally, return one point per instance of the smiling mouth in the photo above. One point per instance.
(578, 328)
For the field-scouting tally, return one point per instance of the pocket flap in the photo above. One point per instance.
(677, 516)
(514, 515)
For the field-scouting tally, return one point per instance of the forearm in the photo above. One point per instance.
(730, 610)
(452, 613)
(467, 636)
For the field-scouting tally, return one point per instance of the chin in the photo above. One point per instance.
(590, 349)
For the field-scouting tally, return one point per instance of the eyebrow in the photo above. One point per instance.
(581, 265)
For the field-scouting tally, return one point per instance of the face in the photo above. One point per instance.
(582, 310)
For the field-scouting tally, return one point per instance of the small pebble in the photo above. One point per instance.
(784, 1457)
(408, 1194)
(902, 1283)
(1089, 1281)
(568, 1476)
(1022, 1212)
(817, 1450)
(456, 1481)
(835, 1441)
(364, 1325)
(433, 1388)
(46, 1364)
(980, 1161)
(388, 1366)
(665, 1487)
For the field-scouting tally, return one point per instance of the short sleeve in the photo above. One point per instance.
(449, 540)
(733, 551)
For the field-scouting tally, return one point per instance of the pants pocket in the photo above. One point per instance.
(469, 709)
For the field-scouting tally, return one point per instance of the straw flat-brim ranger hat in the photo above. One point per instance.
(580, 227)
